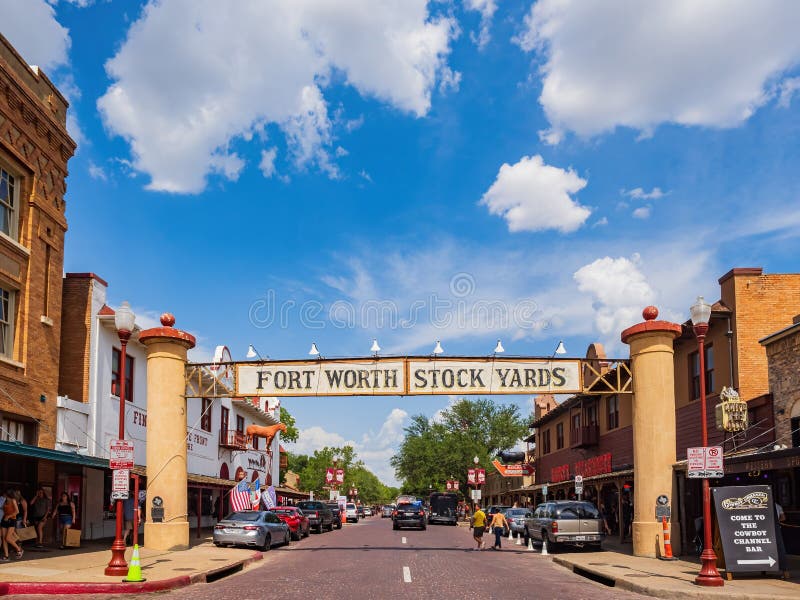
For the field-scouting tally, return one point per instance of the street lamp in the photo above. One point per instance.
(709, 576)
(124, 320)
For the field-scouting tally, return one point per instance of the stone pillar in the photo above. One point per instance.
(653, 374)
(166, 434)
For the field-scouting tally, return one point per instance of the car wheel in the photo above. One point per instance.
(298, 535)
(287, 539)
(267, 543)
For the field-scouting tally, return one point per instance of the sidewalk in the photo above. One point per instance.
(673, 579)
(80, 570)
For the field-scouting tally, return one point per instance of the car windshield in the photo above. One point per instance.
(406, 507)
(311, 506)
(351, 507)
(516, 511)
(250, 515)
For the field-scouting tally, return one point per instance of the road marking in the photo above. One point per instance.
(406, 575)
(404, 540)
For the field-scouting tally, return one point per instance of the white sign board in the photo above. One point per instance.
(120, 484)
(704, 462)
(408, 376)
(334, 495)
(121, 454)
(476, 494)
(578, 479)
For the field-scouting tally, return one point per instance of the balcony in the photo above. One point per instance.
(587, 435)
(230, 438)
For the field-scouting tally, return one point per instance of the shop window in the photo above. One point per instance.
(694, 372)
(613, 412)
(116, 355)
(7, 298)
(559, 436)
(546, 442)
(8, 203)
(205, 418)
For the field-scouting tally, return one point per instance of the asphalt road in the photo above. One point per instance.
(369, 560)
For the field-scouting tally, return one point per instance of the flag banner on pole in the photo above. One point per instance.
(240, 496)
(257, 495)
(269, 498)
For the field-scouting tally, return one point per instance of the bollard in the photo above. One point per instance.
(667, 543)
(135, 567)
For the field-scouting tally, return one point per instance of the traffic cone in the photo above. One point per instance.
(509, 533)
(530, 544)
(134, 568)
(667, 543)
(519, 539)
(544, 547)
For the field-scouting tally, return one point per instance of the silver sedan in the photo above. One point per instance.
(260, 528)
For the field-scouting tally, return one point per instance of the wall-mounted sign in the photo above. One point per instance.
(558, 474)
(747, 527)
(514, 470)
(408, 376)
(597, 465)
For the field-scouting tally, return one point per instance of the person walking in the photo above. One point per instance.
(38, 508)
(499, 526)
(478, 525)
(64, 511)
(8, 525)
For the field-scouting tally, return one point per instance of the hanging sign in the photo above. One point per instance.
(471, 479)
(746, 519)
(329, 475)
(339, 476)
(514, 470)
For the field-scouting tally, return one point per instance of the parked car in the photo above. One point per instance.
(337, 514)
(295, 519)
(351, 512)
(495, 508)
(319, 515)
(566, 522)
(516, 520)
(367, 511)
(387, 511)
(259, 528)
(409, 515)
(360, 511)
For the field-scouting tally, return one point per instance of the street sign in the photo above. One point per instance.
(121, 454)
(746, 517)
(544, 490)
(578, 488)
(120, 484)
(334, 494)
(476, 494)
(704, 462)
(578, 479)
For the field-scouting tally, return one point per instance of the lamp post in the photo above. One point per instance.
(709, 576)
(124, 320)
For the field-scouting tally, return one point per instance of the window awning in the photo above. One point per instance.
(21, 449)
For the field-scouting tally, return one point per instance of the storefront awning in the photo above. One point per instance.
(602, 478)
(21, 449)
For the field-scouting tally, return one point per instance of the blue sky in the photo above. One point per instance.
(282, 172)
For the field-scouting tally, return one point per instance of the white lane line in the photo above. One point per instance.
(406, 575)
(404, 540)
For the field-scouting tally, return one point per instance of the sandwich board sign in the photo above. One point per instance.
(746, 517)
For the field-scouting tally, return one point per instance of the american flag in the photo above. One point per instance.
(240, 496)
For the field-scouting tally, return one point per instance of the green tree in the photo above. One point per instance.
(434, 451)
(292, 434)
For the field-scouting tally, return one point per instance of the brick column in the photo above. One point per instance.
(166, 434)
(653, 373)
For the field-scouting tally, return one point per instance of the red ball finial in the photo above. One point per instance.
(650, 313)
(168, 319)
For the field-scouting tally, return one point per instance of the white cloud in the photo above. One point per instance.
(533, 196)
(189, 78)
(619, 291)
(229, 165)
(96, 172)
(642, 212)
(788, 88)
(601, 222)
(640, 194)
(316, 438)
(267, 164)
(487, 9)
(32, 28)
(618, 63)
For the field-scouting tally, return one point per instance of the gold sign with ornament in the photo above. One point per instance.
(731, 413)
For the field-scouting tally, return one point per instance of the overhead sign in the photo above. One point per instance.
(120, 454)
(746, 519)
(704, 462)
(408, 376)
(514, 470)
(120, 484)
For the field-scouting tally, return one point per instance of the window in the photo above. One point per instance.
(115, 358)
(694, 372)
(8, 203)
(7, 322)
(559, 436)
(591, 414)
(205, 418)
(613, 412)
(240, 423)
(224, 419)
(546, 442)
(255, 442)
(47, 261)
(576, 422)
(12, 430)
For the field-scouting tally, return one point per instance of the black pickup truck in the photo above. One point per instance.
(319, 515)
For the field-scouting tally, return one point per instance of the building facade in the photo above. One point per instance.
(34, 150)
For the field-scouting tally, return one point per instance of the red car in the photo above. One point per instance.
(295, 519)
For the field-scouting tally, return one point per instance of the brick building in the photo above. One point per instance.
(592, 435)
(34, 150)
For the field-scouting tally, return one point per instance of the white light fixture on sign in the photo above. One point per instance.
(251, 352)
(313, 351)
(438, 348)
(499, 348)
(375, 348)
(560, 349)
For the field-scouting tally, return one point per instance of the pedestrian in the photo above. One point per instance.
(22, 504)
(8, 525)
(627, 513)
(38, 507)
(478, 526)
(499, 526)
(128, 506)
(64, 511)
(604, 517)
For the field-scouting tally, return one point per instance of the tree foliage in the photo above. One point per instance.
(443, 448)
(292, 434)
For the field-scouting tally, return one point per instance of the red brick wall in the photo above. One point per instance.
(76, 303)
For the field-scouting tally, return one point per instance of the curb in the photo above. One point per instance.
(79, 587)
(631, 586)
